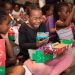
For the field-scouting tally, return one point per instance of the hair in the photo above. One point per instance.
(58, 7)
(33, 8)
(5, 3)
(46, 8)
(3, 15)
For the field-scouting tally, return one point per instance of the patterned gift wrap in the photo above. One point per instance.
(65, 33)
(42, 35)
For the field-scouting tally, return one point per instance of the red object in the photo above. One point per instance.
(60, 51)
(2, 52)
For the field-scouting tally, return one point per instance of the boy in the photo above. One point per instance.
(28, 32)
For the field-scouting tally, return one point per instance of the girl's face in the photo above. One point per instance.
(50, 12)
(8, 8)
(64, 13)
(4, 26)
(17, 8)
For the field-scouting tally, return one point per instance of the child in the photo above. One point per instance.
(48, 10)
(28, 32)
(8, 7)
(10, 56)
(64, 19)
(17, 10)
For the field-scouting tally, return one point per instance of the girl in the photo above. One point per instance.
(63, 19)
(48, 12)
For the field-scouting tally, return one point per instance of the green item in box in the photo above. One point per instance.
(67, 41)
(2, 70)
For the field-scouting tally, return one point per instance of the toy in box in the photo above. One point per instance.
(47, 52)
(2, 57)
(42, 35)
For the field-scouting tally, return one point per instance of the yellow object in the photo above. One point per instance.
(60, 46)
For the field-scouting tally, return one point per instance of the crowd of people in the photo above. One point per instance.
(26, 21)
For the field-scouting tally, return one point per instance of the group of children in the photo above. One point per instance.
(26, 23)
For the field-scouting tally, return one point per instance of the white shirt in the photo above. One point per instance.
(16, 13)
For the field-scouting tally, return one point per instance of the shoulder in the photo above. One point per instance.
(23, 27)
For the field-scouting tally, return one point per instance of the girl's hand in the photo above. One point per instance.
(59, 23)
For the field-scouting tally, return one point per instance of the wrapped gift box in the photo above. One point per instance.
(47, 48)
(59, 50)
(39, 56)
(42, 54)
